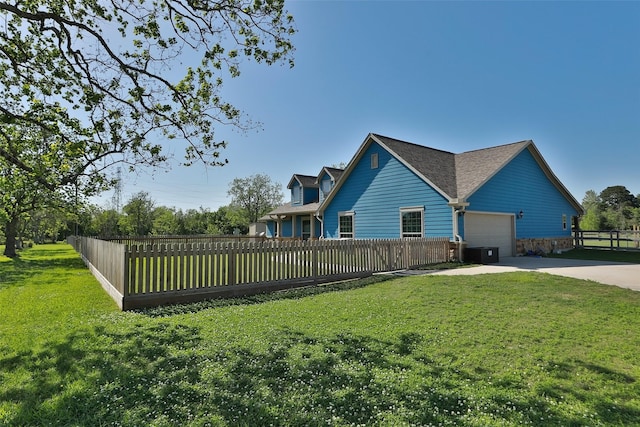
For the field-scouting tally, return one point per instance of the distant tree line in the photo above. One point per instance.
(614, 208)
(141, 217)
(251, 198)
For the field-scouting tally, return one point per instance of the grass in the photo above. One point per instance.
(491, 350)
(601, 255)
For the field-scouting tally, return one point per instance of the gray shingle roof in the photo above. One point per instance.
(287, 209)
(474, 168)
(457, 175)
(436, 166)
(307, 181)
(335, 173)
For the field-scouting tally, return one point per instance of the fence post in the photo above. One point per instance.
(125, 273)
(314, 261)
(611, 239)
(232, 264)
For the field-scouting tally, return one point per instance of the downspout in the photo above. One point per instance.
(457, 239)
(458, 207)
(319, 218)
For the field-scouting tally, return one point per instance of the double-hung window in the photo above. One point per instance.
(412, 222)
(345, 225)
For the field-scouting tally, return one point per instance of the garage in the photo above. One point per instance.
(489, 229)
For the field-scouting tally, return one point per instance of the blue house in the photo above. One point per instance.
(504, 196)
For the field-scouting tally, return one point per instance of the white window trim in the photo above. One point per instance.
(564, 222)
(374, 160)
(412, 209)
(351, 214)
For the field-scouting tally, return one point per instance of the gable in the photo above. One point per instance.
(306, 181)
(376, 194)
(326, 183)
(436, 167)
(474, 168)
(523, 185)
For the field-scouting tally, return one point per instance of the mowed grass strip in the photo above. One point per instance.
(509, 349)
(601, 255)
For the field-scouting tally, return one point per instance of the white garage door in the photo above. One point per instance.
(495, 230)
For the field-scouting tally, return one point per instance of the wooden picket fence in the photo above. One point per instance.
(150, 273)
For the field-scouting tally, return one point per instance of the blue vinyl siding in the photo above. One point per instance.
(306, 195)
(522, 186)
(271, 229)
(310, 195)
(287, 229)
(376, 196)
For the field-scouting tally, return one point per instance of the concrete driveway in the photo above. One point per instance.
(620, 274)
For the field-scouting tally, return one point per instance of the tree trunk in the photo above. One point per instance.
(11, 232)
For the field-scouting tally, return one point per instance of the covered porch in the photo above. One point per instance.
(297, 222)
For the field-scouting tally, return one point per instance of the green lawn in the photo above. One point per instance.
(601, 255)
(493, 350)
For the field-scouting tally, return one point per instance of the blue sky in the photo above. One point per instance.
(456, 76)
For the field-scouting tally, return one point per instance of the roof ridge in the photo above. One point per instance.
(435, 166)
(496, 146)
(411, 143)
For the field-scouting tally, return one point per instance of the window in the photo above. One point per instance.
(411, 222)
(374, 161)
(326, 186)
(306, 229)
(345, 224)
(297, 194)
(564, 221)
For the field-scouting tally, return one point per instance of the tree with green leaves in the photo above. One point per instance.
(138, 215)
(98, 83)
(618, 197)
(34, 184)
(88, 84)
(593, 218)
(615, 208)
(120, 66)
(618, 204)
(254, 196)
(166, 222)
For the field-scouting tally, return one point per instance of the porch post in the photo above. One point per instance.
(293, 226)
(312, 222)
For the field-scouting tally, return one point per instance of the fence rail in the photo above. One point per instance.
(198, 238)
(154, 272)
(611, 239)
